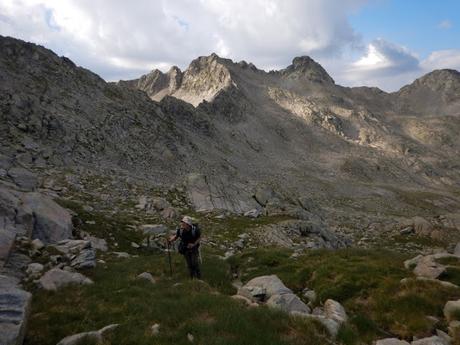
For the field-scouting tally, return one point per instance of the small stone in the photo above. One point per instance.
(190, 337)
(155, 329)
(135, 245)
(146, 276)
(453, 328)
(407, 230)
(37, 244)
(335, 311)
(34, 269)
(122, 255)
(254, 213)
(310, 295)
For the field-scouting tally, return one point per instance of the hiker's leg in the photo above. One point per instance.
(188, 259)
(196, 264)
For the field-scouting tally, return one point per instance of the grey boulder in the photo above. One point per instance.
(85, 259)
(14, 311)
(391, 341)
(57, 278)
(52, 223)
(93, 336)
(434, 340)
(288, 303)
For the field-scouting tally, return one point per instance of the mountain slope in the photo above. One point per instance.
(226, 131)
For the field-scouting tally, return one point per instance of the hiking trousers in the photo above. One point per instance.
(192, 257)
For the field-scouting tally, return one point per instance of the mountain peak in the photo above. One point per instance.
(304, 67)
(440, 80)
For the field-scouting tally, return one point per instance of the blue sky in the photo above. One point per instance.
(383, 43)
(422, 25)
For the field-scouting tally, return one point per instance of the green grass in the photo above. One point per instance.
(202, 309)
(424, 241)
(367, 282)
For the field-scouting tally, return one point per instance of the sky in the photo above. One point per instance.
(382, 43)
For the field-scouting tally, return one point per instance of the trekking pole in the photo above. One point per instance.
(169, 257)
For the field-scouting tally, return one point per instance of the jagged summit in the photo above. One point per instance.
(206, 76)
(304, 67)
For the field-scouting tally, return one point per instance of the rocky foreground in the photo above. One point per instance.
(329, 213)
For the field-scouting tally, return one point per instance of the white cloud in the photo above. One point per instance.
(385, 64)
(117, 38)
(121, 40)
(442, 59)
(445, 24)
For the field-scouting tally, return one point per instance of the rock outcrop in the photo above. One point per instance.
(14, 311)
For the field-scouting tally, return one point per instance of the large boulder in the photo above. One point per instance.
(451, 220)
(422, 227)
(69, 246)
(263, 194)
(52, 223)
(14, 311)
(154, 229)
(391, 341)
(434, 340)
(80, 253)
(335, 311)
(452, 310)
(85, 259)
(288, 303)
(272, 290)
(271, 284)
(96, 337)
(428, 267)
(57, 278)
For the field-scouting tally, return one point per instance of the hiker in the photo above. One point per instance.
(189, 244)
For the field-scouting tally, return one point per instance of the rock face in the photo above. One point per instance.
(14, 311)
(25, 179)
(300, 234)
(207, 195)
(220, 129)
(57, 278)
(32, 215)
(6, 244)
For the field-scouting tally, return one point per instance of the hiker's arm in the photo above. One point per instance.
(197, 241)
(174, 237)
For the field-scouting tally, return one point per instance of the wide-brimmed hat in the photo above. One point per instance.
(187, 220)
